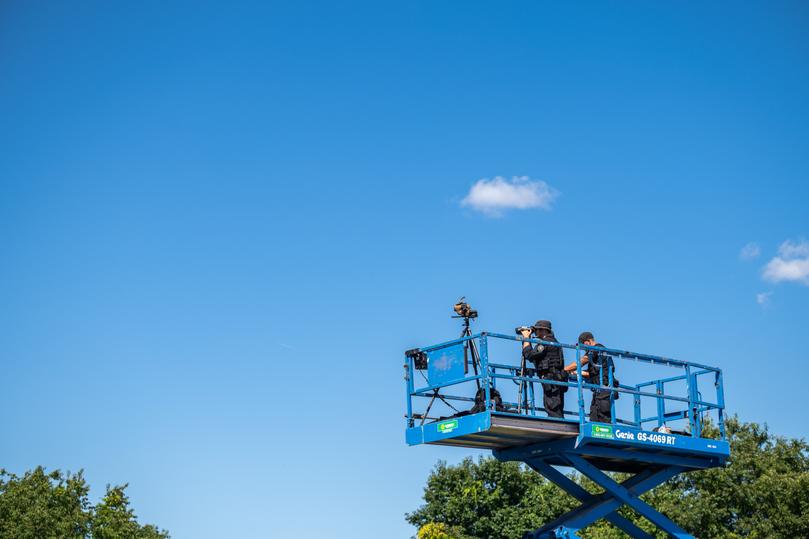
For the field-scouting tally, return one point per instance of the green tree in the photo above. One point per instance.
(763, 492)
(433, 530)
(114, 519)
(43, 506)
(40, 505)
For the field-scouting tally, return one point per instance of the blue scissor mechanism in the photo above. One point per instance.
(653, 446)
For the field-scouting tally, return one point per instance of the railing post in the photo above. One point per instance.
(661, 404)
(408, 368)
(484, 367)
(720, 401)
(636, 402)
(610, 380)
(693, 396)
(580, 389)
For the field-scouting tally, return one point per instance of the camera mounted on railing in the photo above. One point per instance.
(419, 358)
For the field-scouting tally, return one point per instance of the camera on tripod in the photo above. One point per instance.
(463, 310)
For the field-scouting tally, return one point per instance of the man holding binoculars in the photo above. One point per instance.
(549, 362)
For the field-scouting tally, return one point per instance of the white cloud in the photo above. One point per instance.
(763, 298)
(791, 264)
(495, 196)
(791, 249)
(750, 251)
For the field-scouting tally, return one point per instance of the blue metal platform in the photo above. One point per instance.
(654, 446)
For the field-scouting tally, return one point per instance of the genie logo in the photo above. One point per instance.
(624, 435)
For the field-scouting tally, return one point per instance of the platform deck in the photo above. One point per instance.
(609, 447)
(493, 431)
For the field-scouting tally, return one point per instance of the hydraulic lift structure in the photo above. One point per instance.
(506, 419)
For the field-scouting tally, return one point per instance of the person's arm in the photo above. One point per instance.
(572, 367)
(526, 333)
(529, 352)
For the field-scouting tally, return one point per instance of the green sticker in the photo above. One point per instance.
(447, 426)
(600, 431)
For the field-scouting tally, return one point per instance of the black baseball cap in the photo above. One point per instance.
(585, 336)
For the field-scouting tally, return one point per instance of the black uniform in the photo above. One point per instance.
(549, 363)
(598, 368)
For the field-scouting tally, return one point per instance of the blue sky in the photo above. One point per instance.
(221, 225)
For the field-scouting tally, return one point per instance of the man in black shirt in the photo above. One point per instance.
(548, 361)
(599, 365)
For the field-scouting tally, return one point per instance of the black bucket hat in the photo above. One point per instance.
(543, 324)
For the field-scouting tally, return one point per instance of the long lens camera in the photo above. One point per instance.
(463, 310)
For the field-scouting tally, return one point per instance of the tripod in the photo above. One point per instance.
(469, 348)
(523, 389)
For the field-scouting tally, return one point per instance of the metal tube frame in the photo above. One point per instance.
(491, 372)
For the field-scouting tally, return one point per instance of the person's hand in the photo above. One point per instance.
(526, 333)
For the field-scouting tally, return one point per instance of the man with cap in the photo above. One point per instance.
(548, 361)
(599, 365)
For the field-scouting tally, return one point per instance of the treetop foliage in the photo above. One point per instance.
(55, 505)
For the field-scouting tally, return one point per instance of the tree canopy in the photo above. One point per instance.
(53, 505)
(763, 492)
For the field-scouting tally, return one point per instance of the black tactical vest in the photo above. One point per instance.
(596, 367)
(552, 359)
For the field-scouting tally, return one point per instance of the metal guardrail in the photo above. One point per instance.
(490, 373)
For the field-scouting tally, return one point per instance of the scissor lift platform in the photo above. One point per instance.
(521, 433)
(614, 448)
